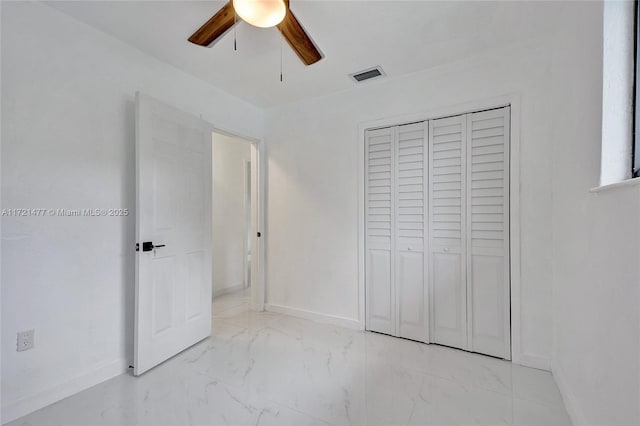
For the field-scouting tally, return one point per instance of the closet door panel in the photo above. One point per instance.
(448, 294)
(380, 310)
(411, 295)
(447, 236)
(379, 239)
(487, 303)
(488, 240)
(410, 193)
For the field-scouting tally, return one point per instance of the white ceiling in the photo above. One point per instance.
(402, 36)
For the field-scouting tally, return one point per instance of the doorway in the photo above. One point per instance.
(235, 219)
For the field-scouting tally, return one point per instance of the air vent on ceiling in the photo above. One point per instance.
(367, 74)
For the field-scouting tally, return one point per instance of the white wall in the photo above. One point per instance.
(230, 156)
(68, 142)
(312, 238)
(596, 268)
(1, 204)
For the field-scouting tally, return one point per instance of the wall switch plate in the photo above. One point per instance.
(25, 340)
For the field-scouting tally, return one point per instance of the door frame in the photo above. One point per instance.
(258, 214)
(248, 172)
(510, 100)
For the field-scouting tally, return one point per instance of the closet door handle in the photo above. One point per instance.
(446, 249)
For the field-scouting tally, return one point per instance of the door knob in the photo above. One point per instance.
(446, 249)
(148, 246)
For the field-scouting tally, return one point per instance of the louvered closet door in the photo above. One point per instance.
(379, 202)
(410, 201)
(488, 239)
(447, 264)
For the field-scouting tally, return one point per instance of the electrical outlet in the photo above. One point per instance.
(25, 340)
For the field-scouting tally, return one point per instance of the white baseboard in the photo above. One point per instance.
(315, 316)
(227, 290)
(535, 361)
(577, 417)
(28, 404)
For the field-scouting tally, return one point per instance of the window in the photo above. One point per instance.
(619, 60)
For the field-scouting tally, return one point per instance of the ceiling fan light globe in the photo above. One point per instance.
(261, 13)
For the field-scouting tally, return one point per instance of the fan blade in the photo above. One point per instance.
(215, 27)
(298, 39)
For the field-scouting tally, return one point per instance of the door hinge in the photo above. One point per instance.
(259, 234)
(137, 247)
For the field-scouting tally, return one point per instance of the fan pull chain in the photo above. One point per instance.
(235, 22)
(281, 43)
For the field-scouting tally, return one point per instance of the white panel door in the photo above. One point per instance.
(173, 213)
(410, 202)
(379, 238)
(488, 238)
(447, 265)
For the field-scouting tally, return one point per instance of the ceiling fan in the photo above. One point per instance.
(260, 13)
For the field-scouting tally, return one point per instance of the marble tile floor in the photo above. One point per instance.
(261, 368)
